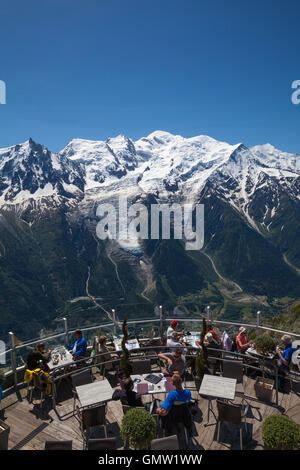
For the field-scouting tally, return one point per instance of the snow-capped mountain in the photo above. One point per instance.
(30, 171)
(160, 164)
(51, 259)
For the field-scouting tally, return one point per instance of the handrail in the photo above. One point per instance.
(159, 320)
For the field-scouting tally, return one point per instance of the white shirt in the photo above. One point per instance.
(170, 331)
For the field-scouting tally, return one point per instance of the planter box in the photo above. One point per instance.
(4, 433)
(264, 388)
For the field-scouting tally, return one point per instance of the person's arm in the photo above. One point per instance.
(167, 405)
(243, 346)
(166, 358)
(284, 361)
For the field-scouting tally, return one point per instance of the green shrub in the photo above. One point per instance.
(279, 432)
(139, 428)
(264, 344)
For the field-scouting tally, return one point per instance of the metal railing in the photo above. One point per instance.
(115, 324)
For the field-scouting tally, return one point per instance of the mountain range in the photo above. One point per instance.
(53, 264)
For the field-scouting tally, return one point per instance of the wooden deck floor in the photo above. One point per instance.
(31, 425)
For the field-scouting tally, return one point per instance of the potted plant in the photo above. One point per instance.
(138, 428)
(125, 365)
(264, 345)
(201, 362)
(279, 432)
(263, 387)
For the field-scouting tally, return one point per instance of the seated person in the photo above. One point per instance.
(38, 358)
(176, 397)
(78, 348)
(176, 362)
(210, 329)
(209, 341)
(174, 341)
(173, 328)
(101, 347)
(128, 396)
(242, 342)
(285, 354)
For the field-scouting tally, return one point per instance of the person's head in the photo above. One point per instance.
(174, 324)
(78, 334)
(209, 327)
(128, 385)
(242, 331)
(102, 339)
(177, 354)
(286, 340)
(177, 381)
(40, 347)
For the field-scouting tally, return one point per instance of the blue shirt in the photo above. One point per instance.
(80, 347)
(287, 353)
(183, 396)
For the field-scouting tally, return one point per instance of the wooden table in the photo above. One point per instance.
(214, 387)
(94, 393)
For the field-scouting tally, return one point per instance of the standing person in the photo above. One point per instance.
(173, 328)
(178, 396)
(78, 348)
(38, 359)
(242, 342)
(176, 362)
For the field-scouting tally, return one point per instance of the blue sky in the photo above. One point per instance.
(97, 68)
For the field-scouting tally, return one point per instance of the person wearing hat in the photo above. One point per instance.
(175, 342)
(242, 342)
(173, 328)
(285, 354)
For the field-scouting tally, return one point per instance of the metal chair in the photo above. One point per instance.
(179, 414)
(165, 443)
(58, 445)
(91, 417)
(102, 444)
(80, 378)
(141, 367)
(234, 370)
(231, 414)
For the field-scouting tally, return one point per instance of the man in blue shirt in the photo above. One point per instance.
(285, 355)
(178, 396)
(78, 348)
(284, 359)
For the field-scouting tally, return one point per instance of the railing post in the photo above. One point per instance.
(13, 357)
(161, 327)
(258, 320)
(66, 331)
(208, 313)
(114, 321)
